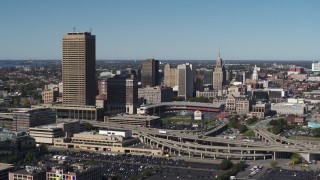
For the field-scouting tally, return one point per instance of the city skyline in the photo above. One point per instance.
(166, 30)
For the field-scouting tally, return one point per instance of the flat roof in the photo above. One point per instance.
(182, 103)
(289, 104)
(136, 117)
(4, 166)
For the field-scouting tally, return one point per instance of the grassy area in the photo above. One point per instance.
(309, 138)
(248, 133)
(210, 124)
(177, 119)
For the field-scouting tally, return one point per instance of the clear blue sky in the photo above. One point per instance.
(165, 29)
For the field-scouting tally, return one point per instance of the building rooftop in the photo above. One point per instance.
(289, 104)
(182, 103)
(29, 170)
(134, 117)
(79, 33)
(4, 166)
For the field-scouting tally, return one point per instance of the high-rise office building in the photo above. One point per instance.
(150, 73)
(219, 76)
(122, 95)
(78, 68)
(170, 76)
(185, 80)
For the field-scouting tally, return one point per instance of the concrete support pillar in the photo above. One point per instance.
(264, 157)
(189, 154)
(169, 150)
(201, 155)
(274, 155)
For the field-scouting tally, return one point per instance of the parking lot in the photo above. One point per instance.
(127, 165)
(284, 174)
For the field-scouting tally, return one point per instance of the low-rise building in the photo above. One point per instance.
(50, 95)
(75, 172)
(24, 118)
(260, 110)
(75, 111)
(123, 133)
(238, 104)
(139, 120)
(296, 120)
(29, 173)
(5, 169)
(93, 141)
(47, 133)
(207, 94)
(156, 94)
(289, 108)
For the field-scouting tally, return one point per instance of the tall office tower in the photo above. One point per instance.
(79, 68)
(150, 73)
(219, 76)
(185, 80)
(170, 76)
(122, 95)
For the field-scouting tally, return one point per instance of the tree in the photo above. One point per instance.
(277, 129)
(88, 126)
(25, 102)
(233, 123)
(29, 157)
(316, 132)
(242, 128)
(43, 148)
(240, 166)
(296, 158)
(225, 164)
(252, 120)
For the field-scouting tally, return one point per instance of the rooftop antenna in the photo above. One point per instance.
(74, 29)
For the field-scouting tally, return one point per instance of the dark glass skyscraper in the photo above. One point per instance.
(150, 73)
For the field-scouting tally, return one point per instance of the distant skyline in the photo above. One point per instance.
(165, 30)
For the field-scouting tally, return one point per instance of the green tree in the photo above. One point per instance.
(225, 164)
(233, 123)
(252, 120)
(43, 149)
(240, 166)
(316, 132)
(296, 158)
(242, 128)
(29, 157)
(25, 102)
(88, 126)
(277, 129)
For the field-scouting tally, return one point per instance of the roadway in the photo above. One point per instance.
(192, 143)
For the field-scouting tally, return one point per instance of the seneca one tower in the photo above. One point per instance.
(78, 68)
